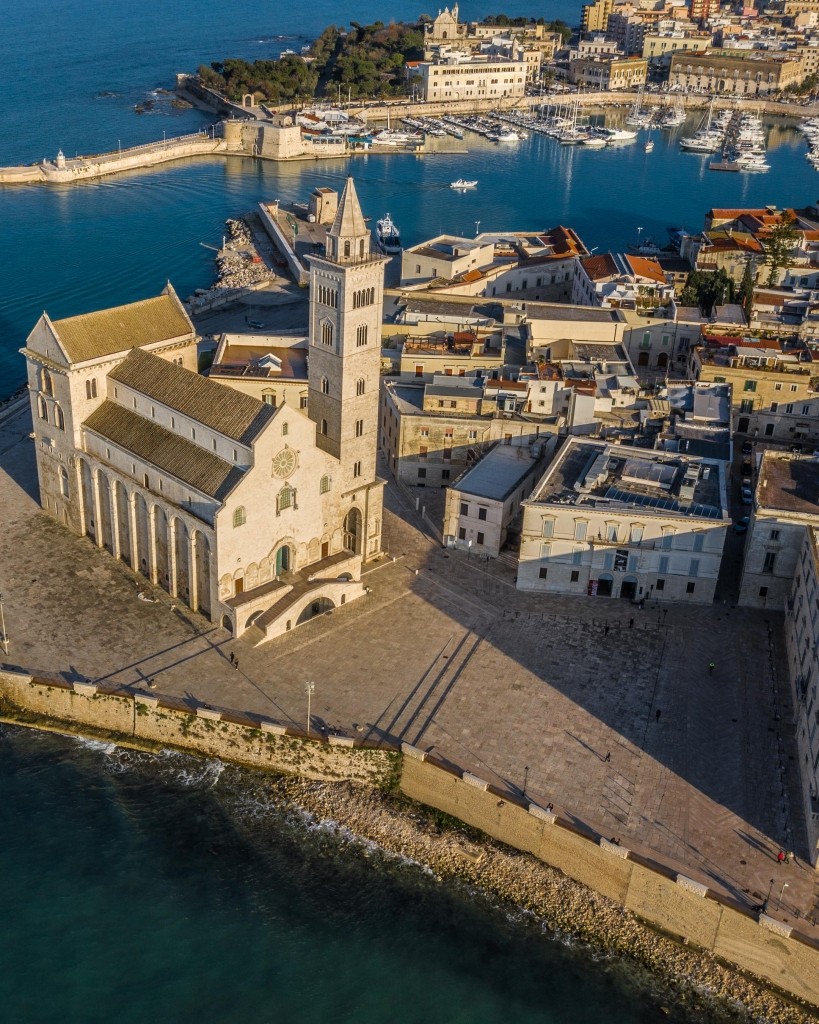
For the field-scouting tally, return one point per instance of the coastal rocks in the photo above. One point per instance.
(450, 850)
(238, 264)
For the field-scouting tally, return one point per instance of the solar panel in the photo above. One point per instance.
(665, 503)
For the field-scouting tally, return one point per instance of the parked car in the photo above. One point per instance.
(257, 325)
(741, 525)
(747, 448)
(746, 468)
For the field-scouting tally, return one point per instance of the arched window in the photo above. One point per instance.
(323, 427)
(239, 516)
(361, 249)
(42, 408)
(46, 383)
(64, 482)
(285, 429)
(286, 498)
(326, 333)
(91, 388)
(324, 485)
(347, 249)
(59, 419)
(325, 386)
(359, 386)
(361, 335)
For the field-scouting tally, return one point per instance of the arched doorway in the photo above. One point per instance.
(605, 585)
(352, 531)
(628, 590)
(317, 607)
(284, 560)
(662, 360)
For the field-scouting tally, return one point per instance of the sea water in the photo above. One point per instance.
(143, 887)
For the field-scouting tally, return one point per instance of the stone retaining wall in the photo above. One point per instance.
(680, 907)
(160, 721)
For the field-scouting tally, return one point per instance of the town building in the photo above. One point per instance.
(775, 384)
(537, 265)
(270, 368)
(595, 16)
(620, 281)
(613, 521)
(733, 72)
(608, 73)
(484, 502)
(473, 78)
(431, 432)
(786, 504)
(659, 46)
(802, 642)
(256, 515)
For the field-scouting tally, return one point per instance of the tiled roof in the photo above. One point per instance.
(598, 267)
(93, 335)
(201, 470)
(649, 268)
(217, 406)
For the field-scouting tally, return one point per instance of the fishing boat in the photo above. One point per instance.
(462, 184)
(387, 236)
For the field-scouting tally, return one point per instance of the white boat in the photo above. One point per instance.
(617, 134)
(390, 137)
(461, 183)
(387, 236)
(649, 146)
(595, 141)
(702, 142)
(508, 136)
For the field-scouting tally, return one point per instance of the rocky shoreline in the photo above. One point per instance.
(692, 977)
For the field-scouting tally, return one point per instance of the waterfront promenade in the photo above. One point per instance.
(445, 654)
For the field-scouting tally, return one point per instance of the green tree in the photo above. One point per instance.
(779, 246)
(746, 290)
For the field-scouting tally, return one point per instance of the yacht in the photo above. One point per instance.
(595, 141)
(462, 184)
(649, 146)
(387, 236)
(391, 137)
(508, 136)
(617, 134)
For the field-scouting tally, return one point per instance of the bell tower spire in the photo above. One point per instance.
(348, 240)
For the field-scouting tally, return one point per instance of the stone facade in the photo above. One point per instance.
(251, 514)
(610, 522)
(732, 73)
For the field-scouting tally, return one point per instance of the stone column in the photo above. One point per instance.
(193, 570)
(173, 584)
(152, 569)
(115, 545)
(98, 538)
(133, 530)
(83, 511)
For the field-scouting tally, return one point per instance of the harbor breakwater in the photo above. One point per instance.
(625, 903)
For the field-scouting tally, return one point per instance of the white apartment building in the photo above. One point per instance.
(609, 521)
(476, 79)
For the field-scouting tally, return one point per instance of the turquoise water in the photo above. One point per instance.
(140, 888)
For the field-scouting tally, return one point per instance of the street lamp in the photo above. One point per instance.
(525, 778)
(781, 891)
(767, 898)
(309, 689)
(4, 640)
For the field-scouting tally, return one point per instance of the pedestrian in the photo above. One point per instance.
(236, 664)
(788, 857)
(711, 667)
(550, 808)
(232, 657)
(781, 856)
(642, 603)
(630, 623)
(606, 629)
(657, 714)
(608, 756)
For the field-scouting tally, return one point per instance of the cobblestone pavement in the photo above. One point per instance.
(446, 654)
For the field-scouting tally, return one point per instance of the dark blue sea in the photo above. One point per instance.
(141, 888)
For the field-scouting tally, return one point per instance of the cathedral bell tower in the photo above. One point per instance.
(346, 301)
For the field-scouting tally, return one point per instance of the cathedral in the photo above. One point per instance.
(257, 516)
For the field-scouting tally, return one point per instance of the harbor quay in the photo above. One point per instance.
(551, 697)
(270, 133)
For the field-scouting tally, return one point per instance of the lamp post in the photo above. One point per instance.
(3, 638)
(767, 898)
(781, 891)
(525, 778)
(309, 689)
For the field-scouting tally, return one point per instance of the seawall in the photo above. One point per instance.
(682, 909)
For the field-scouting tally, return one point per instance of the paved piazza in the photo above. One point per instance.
(444, 653)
